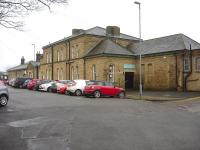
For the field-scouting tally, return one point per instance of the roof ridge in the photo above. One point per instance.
(162, 37)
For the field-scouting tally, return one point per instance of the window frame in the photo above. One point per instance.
(197, 64)
(186, 63)
(94, 76)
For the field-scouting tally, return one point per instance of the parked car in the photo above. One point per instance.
(20, 81)
(31, 84)
(4, 95)
(103, 88)
(11, 82)
(38, 83)
(24, 86)
(46, 87)
(76, 87)
(62, 86)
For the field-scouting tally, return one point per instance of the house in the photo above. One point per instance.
(25, 69)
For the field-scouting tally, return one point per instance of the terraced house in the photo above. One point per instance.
(168, 63)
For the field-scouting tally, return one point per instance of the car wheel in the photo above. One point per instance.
(3, 100)
(48, 89)
(97, 94)
(78, 93)
(67, 93)
(121, 95)
(34, 88)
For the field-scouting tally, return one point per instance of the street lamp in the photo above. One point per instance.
(138, 3)
(34, 51)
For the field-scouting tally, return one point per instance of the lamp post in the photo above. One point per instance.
(140, 86)
(34, 51)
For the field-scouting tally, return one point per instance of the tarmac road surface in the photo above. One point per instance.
(46, 121)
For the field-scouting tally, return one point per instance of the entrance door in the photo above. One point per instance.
(129, 76)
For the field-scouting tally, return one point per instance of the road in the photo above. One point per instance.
(46, 121)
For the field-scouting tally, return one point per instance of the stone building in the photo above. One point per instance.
(168, 63)
(106, 54)
(25, 69)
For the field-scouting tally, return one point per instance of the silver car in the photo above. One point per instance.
(4, 95)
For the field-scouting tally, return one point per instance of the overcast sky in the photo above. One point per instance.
(159, 18)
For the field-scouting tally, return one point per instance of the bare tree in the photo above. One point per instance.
(12, 11)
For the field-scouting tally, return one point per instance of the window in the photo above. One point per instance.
(77, 51)
(47, 58)
(143, 73)
(149, 73)
(186, 64)
(198, 63)
(47, 75)
(61, 74)
(58, 74)
(94, 72)
(111, 73)
(72, 70)
(58, 56)
(61, 55)
(72, 52)
(77, 73)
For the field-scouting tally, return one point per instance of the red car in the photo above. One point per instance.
(103, 88)
(32, 84)
(61, 89)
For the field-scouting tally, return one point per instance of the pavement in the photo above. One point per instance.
(163, 96)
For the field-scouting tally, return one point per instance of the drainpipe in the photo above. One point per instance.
(176, 66)
(190, 71)
(84, 74)
(69, 60)
(52, 55)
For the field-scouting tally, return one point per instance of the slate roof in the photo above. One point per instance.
(98, 31)
(165, 44)
(24, 66)
(108, 47)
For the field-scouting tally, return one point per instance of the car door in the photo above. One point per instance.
(108, 89)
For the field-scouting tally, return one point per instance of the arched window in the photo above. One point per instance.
(58, 55)
(72, 73)
(61, 55)
(198, 63)
(77, 73)
(94, 72)
(111, 73)
(72, 52)
(61, 74)
(49, 74)
(186, 64)
(58, 74)
(47, 58)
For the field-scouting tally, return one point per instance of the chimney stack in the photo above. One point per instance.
(77, 31)
(22, 60)
(38, 56)
(112, 31)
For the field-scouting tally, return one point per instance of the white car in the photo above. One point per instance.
(46, 87)
(76, 87)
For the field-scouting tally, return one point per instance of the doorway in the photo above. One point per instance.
(129, 79)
